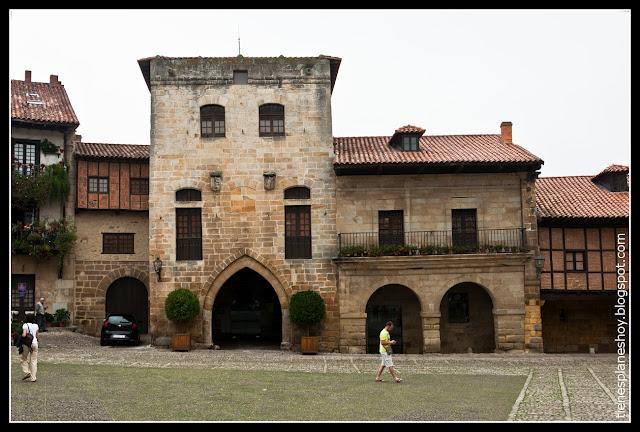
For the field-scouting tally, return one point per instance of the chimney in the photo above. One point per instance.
(27, 76)
(505, 132)
(53, 79)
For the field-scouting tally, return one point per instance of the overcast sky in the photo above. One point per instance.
(562, 77)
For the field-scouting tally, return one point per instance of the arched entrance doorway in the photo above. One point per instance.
(128, 295)
(466, 320)
(247, 312)
(399, 304)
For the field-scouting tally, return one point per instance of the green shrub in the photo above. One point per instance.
(306, 308)
(181, 306)
(352, 251)
(61, 315)
(427, 250)
(49, 317)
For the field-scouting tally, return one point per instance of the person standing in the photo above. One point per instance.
(40, 318)
(385, 353)
(29, 355)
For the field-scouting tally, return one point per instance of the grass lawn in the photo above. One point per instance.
(87, 392)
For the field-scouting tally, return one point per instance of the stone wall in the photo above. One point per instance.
(93, 279)
(242, 222)
(430, 277)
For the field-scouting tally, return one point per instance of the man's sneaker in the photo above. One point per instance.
(27, 376)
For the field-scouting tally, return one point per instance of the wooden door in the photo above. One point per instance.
(391, 227)
(464, 228)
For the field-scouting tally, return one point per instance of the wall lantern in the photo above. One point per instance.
(269, 180)
(157, 266)
(216, 180)
(539, 263)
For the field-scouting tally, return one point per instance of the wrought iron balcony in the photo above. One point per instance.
(363, 244)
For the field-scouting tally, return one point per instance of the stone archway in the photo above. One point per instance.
(234, 265)
(466, 320)
(399, 304)
(129, 295)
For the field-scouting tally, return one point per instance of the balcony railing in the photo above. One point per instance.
(510, 240)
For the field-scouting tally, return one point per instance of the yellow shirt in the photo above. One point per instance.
(384, 336)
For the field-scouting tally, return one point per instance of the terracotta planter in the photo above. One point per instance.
(181, 342)
(309, 344)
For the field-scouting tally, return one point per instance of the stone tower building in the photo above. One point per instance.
(238, 146)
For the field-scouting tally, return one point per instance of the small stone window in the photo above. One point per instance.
(139, 186)
(240, 77)
(458, 304)
(212, 121)
(188, 195)
(297, 192)
(271, 120)
(117, 243)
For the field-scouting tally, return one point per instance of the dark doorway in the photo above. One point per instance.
(400, 305)
(466, 320)
(247, 313)
(128, 295)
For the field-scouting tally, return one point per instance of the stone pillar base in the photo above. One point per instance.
(431, 332)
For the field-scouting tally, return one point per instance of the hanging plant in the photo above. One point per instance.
(58, 181)
(48, 147)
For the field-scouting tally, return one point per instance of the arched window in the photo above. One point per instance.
(297, 192)
(188, 195)
(212, 121)
(271, 120)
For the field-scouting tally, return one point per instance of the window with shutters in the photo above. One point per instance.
(297, 192)
(98, 185)
(188, 234)
(574, 261)
(188, 195)
(391, 227)
(139, 186)
(26, 157)
(464, 230)
(271, 120)
(212, 121)
(297, 240)
(117, 243)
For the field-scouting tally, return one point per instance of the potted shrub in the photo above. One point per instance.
(61, 317)
(181, 307)
(307, 308)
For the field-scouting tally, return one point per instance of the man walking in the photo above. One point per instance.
(29, 354)
(40, 318)
(385, 353)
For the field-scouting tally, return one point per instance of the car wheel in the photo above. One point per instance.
(103, 342)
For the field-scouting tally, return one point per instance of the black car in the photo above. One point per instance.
(120, 328)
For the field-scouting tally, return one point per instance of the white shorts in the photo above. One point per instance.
(386, 360)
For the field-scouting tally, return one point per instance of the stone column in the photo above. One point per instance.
(353, 333)
(286, 331)
(431, 331)
(509, 329)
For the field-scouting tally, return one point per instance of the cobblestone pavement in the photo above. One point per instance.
(560, 387)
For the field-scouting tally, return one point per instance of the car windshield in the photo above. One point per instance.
(120, 319)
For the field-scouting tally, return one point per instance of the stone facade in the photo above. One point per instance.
(502, 201)
(242, 224)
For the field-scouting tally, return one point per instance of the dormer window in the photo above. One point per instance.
(34, 99)
(613, 178)
(409, 143)
(407, 138)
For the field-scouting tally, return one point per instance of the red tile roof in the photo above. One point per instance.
(410, 129)
(613, 169)
(56, 107)
(115, 151)
(444, 149)
(578, 197)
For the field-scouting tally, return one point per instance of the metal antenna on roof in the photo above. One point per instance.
(239, 40)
